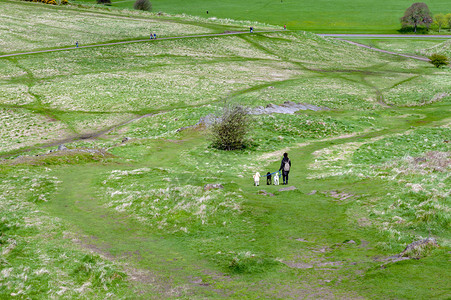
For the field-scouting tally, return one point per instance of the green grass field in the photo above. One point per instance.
(121, 212)
(357, 16)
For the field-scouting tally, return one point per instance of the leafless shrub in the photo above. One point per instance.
(143, 5)
(230, 129)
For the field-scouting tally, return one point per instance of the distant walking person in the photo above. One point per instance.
(154, 36)
(251, 29)
(285, 167)
(76, 44)
(284, 27)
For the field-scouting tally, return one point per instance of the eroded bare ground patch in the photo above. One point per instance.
(339, 196)
(314, 259)
(68, 155)
(304, 289)
(147, 282)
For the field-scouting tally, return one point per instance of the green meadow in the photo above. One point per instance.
(103, 162)
(357, 16)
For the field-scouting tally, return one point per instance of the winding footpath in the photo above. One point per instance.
(404, 36)
(337, 36)
(342, 37)
(132, 42)
(417, 57)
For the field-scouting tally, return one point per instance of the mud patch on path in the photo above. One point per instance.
(339, 196)
(288, 107)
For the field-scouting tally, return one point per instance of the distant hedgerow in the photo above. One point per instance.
(143, 5)
(53, 2)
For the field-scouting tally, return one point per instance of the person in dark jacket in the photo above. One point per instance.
(285, 167)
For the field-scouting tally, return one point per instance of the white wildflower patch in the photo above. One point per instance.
(443, 48)
(421, 90)
(119, 174)
(339, 93)
(157, 88)
(417, 162)
(415, 187)
(85, 26)
(49, 260)
(172, 208)
(15, 94)
(332, 161)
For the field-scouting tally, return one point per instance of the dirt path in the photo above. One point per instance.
(343, 37)
(131, 42)
(417, 57)
(406, 36)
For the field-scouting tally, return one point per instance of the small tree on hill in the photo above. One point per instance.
(438, 60)
(230, 129)
(143, 5)
(440, 20)
(448, 21)
(417, 14)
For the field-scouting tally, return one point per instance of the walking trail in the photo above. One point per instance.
(338, 36)
(132, 42)
(397, 36)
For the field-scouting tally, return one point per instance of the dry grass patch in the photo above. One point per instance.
(21, 128)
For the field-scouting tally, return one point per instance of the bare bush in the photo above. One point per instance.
(143, 5)
(230, 129)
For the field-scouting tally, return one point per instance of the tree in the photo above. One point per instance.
(438, 60)
(230, 129)
(106, 2)
(440, 20)
(448, 21)
(417, 14)
(143, 5)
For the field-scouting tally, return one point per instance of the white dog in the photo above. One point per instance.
(257, 179)
(276, 179)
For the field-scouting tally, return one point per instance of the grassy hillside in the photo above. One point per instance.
(443, 48)
(355, 16)
(121, 212)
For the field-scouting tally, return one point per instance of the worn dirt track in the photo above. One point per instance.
(68, 48)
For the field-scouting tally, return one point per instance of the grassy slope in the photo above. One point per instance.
(88, 26)
(145, 210)
(406, 46)
(319, 16)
